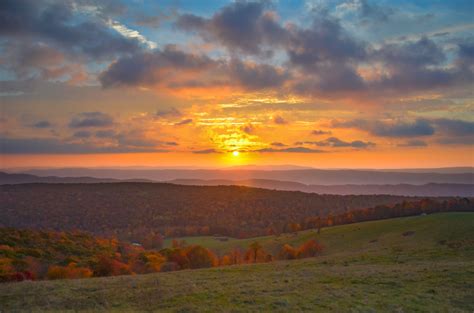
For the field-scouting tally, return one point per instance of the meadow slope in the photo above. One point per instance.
(412, 264)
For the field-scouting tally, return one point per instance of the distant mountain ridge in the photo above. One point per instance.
(14, 178)
(304, 176)
(426, 190)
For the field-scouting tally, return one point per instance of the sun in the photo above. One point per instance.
(235, 153)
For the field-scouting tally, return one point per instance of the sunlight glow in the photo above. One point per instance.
(235, 153)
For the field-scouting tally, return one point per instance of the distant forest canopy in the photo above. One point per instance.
(136, 212)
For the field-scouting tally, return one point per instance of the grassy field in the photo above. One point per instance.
(414, 264)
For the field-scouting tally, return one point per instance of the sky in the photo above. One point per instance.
(321, 83)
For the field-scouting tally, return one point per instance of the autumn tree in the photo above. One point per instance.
(71, 271)
(200, 257)
(287, 252)
(255, 253)
(309, 249)
(107, 266)
(153, 241)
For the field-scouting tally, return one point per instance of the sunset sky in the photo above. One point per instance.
(328, 84)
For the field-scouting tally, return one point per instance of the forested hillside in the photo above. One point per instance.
(130, 210)
(135, 211)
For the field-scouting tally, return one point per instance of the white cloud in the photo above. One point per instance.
(130, 33)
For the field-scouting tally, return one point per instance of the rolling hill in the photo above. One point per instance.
(129, 210)
(421, 263)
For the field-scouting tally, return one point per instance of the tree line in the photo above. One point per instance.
(31, 255)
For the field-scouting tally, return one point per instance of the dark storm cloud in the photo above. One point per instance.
(91, 119)
(57, 23)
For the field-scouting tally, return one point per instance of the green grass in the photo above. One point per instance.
(366, 267)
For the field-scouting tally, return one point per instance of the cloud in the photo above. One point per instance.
(91, 119)
(449, 129)
(366, 11)
(338, 143)
(130, 33)
(257, 76)
(184, 122)
(15, 87)
(42, 124)
(137, 138)
(248, 128)
(414, 66)
(82, 134)
(56, 146)
(454, 127)
(325, 41)
(413, 143)
(318, 132)
(419, 127)
(242, 25)
(277, 119)
(152, 68)
(172, 112)
(206, 151)
(321, 60)
(462, 140)
(278, 144)
(105, 133)
(59, 24)
(290, 150)
(411, 54)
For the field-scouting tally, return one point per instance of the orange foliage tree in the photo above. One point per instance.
(71, 271)
(200, 257)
